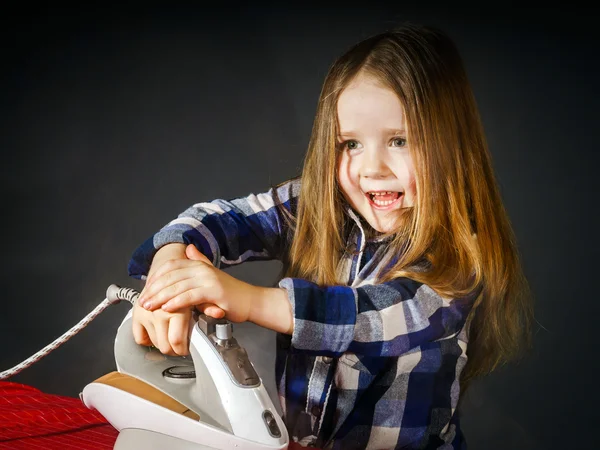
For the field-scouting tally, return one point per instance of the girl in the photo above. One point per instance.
(397, 252)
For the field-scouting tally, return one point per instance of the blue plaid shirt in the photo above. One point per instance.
(369, 365)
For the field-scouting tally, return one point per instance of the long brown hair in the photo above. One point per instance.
(458, 224)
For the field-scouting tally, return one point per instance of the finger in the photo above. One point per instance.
(214, 311)
(186, 299)
(161, 326)
(140, 334)
(195, 255)
(167, 266)
(155, 300)
(152, 272)
(168, 280)
(178, 333)
(202, 307)
(149, 327)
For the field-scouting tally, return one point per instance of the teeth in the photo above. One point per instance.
(379, 202)
(383, 203)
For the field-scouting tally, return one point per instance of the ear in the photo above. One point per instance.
(194, 254)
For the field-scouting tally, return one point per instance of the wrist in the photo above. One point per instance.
(271, 308)
(256, 305)
(170, 251)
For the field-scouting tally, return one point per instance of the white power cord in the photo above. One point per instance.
(114, 294)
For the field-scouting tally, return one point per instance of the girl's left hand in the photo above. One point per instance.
(180, 284)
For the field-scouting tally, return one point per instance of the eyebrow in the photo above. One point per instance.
(387, 130)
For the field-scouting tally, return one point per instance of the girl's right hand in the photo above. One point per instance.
(169, 332)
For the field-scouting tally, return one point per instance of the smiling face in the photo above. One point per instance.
(375, 170)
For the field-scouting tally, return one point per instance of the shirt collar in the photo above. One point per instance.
(361, 224)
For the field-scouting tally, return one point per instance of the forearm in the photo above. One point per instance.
(227, 232)
(386, 319)
(271, 308)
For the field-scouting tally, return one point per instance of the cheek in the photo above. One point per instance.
(344, 175)
(412, 181)
(405, 172)
(413, 191)
(411, 178)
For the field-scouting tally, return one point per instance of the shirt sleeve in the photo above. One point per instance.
(228, 232)
(386, 319)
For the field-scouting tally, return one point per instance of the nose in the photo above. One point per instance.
(374, 165)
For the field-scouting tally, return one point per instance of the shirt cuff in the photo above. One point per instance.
(205, 242)
(324, 317)
(201, 237)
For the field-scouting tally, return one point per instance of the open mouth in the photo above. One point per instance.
(384, 199)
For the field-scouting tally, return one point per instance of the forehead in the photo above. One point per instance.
(366, 104)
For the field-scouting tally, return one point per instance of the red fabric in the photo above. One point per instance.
(30, 419)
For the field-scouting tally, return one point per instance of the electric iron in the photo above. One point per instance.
(211, 399)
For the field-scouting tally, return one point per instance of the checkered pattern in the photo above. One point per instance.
(369, 365)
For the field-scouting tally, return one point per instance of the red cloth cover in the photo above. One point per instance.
(30, 419)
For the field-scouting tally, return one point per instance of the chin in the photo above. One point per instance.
(387, 226)
(380, 228)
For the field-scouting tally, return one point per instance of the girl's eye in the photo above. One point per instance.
(399, 142)
(349, 145)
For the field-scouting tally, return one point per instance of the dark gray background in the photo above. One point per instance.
(114, 120)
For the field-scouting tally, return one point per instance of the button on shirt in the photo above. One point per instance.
(369, 365)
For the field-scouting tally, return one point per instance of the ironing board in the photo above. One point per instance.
(32, 419)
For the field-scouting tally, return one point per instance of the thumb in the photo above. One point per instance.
(210, 310)
(194, 254)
